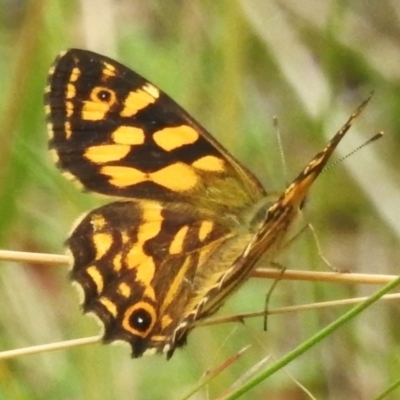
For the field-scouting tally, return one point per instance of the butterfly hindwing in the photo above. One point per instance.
(140, 264)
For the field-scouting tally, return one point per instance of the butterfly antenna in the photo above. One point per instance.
(369, 141)
(275, 123)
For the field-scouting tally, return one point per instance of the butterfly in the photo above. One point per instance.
(187, 223)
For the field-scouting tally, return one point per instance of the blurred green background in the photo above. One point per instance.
(233, 65)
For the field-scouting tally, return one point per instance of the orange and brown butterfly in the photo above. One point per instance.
(188, 222)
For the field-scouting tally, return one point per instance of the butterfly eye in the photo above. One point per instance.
(139, 319)
(104, 95)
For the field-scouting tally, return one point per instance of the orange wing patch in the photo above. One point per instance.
(138, 100)
(178, 177)
(172, 138)
(128, 135)
(107, 152)
(210, 163)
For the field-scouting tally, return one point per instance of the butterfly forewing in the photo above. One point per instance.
(119, 135)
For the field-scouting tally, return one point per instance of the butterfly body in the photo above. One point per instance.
(188, 222)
